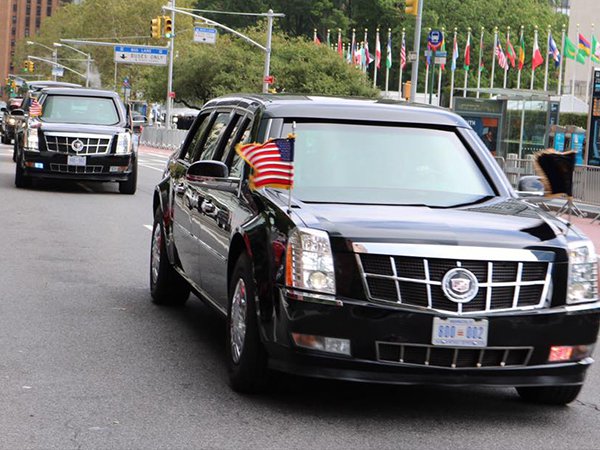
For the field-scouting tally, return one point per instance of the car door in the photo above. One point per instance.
(222, 210)
(184, 200)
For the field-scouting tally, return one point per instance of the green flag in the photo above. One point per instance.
(580, 57)
(595, 54)
(570, 50)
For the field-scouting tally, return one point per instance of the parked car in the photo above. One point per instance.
(82, 134)
(401, 255)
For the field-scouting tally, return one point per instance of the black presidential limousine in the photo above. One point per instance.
(403, 255)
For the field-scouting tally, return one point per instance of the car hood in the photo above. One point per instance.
(79, 128)
(509, 223)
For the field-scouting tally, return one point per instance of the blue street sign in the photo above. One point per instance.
(155, 56)
(435, 39)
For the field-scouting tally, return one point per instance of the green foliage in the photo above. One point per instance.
(577, 119)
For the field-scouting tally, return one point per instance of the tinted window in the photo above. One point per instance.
(84, 110)
(230, 157)
(212, 139)
(356, 163)
(198, 130)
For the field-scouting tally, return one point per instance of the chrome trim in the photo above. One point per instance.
(202, 293)
(428, 285)
(454, 252)
(518, 285)
(309, 297)
(78, 135)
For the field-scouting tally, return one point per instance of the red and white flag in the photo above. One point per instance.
(273, 162)
(340, 47)
(378, 52)
(468, 52)
(35, 109)
(537, 58)
(403, 54)
(502, 62)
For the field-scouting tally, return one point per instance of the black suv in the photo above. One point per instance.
(402, 254)
(82, 134)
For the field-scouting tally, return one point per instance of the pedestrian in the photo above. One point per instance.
(490, 142)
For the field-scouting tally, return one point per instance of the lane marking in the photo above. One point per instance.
(150, 167)
(148, 226)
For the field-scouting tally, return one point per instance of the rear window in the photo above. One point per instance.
(83, 110)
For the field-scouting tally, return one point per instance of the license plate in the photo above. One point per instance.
(457, 332)
(73, 160)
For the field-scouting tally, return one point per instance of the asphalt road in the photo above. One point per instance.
(87, 361)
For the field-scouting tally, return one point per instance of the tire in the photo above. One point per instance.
(21, 180)
(246, 355)
(5, 140)
(130, 186)
(167, 287)
(550, 395)
(15, 151)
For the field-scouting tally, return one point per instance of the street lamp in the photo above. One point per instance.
(87, 55)
(53, 50)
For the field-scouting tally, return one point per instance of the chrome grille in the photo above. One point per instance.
(452, 357)
(91, 144)
(64, 168)
(417, 281)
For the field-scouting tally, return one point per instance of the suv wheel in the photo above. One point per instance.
(246, 356)
(5, 140)
(130, 186)
(15, 151)
(167, 287)
(21, 180)
(549, 395)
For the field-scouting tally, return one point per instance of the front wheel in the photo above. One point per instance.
(246, 356)
(167, 287)
(549, 395)
(130, 186)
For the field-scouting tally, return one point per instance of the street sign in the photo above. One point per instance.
(171, 94)
(440, 60)
(269, 79)
(58, 71)
(435, 39)
(412, 56)
(153, 56)
(205, 35)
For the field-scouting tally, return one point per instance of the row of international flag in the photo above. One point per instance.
(357, 52)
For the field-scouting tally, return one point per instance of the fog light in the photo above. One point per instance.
(323, 343)
(118, 169)
(569, 352)
(35, 165)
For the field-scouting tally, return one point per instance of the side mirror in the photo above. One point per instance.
(206, 169)
(3, 109)
(530, 186)
(18, 112)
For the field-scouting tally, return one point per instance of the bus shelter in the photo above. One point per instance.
(517, 121)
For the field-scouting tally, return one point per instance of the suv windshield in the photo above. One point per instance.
(83, 110)
(368, 163)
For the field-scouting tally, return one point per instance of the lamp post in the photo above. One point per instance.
(53, 50)
(87, 55)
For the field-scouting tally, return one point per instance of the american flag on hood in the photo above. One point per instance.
(273, 162)
(35, 109)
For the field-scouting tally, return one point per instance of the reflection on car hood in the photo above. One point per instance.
(78, 128)
(496, 223)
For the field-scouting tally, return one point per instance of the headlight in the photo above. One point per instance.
(11, 121)
(583, 273)
(33, 141)
(309, 261)
(124, 143)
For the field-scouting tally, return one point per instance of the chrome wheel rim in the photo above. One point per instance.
(237, 326)
(155, 258)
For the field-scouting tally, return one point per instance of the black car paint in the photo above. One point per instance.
(258, 223)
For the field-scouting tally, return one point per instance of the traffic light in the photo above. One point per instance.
(26, 65)
(30, 66)
(412, 7)
(155, 27)
(168, 27)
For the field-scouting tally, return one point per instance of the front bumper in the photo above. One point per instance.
(368, 325)
(104, 167)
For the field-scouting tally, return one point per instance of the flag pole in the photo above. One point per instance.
(465, 66)
(402, 48)
(547, 58)
(328, 39)
(589, 74)
(388, 54)
(453, 68)
(574, 75)
(535, 39)
(440, 72)
(479, 65)
(494, 58)
(507, 50)
(375, 69)
(520, 69)
(562, 58)
(366, 49)
(353, 48)
(427, 70)
(340, 46)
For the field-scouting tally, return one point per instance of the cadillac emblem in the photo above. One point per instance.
(460, 285)
(77, 145)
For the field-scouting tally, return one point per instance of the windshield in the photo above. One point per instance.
(377, 164)
(83, 110)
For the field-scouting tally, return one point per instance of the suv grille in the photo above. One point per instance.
(64, 168)
(415, 281)
(453, 357)
(89, 145)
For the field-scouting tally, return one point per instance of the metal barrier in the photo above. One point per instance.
(162, 138)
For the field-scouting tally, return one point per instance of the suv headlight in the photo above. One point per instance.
(123, 143)
(33, 142)
(11, 121)
(309, 261)
(583, 273)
